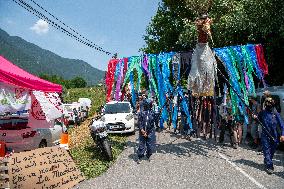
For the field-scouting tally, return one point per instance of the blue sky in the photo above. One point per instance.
(116, 25)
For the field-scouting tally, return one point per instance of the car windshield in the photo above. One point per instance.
(117, 108)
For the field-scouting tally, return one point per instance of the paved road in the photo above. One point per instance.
(180, 163)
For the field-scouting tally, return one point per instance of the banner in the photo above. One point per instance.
(13, 99)
(50, 104)
(37, 117)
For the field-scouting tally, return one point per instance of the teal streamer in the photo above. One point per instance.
(236, 53)
(134, 64)
(250, 70)
(247, 60)
(132, 89)
(151, 64)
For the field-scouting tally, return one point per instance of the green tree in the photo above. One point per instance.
(235, 22)
(162, 34)
(78, 82)
(53, 78)
(44, 76)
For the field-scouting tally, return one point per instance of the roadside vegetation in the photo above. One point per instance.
(82, 148)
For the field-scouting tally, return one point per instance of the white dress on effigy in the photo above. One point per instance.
(201, 79)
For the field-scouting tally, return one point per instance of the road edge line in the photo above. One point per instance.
(242, 171)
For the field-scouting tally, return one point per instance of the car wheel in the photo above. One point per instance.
(42, 144)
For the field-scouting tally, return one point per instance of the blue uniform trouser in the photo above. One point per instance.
(146, 144)
(269, 148)
(156, 120)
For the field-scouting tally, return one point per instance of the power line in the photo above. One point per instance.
(60, 27)
(40, 15)
(64, 24)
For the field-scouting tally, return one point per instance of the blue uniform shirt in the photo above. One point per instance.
(146, 120)
(271, 120)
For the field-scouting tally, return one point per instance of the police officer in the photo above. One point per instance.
(147, 137)
(274, 126)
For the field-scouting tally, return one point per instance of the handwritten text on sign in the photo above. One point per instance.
(45, 168)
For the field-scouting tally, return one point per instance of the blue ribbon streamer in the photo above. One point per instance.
(117, 70)
(251, 50)
(185, 107)
(131, 79)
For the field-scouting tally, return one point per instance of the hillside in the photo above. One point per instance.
(36, 60)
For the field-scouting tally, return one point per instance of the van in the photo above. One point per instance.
(277, 93)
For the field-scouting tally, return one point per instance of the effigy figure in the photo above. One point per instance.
(201, 79)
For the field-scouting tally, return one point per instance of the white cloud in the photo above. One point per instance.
(10, 22)
(40, 27)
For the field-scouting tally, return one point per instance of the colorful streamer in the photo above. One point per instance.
(260, 59)
(241, 63)
(110, 78)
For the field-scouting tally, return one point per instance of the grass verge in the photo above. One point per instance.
(82, 148)
(90, 160)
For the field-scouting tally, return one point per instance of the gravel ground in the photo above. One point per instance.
(179, 163)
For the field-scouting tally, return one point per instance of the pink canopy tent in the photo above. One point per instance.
(12, 74)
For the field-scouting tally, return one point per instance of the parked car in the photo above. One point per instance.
(118, 117)
(18, 136)
(69, 113)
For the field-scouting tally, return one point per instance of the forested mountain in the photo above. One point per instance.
(36, 60)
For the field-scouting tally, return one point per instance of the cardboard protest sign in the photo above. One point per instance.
(50, 167)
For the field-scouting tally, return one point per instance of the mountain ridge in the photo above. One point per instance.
(37, 60)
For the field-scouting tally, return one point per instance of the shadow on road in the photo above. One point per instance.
(181, 147)
(261, 166)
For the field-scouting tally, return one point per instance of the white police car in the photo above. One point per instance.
(118, 117)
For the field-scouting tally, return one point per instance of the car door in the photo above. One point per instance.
(56, 132)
